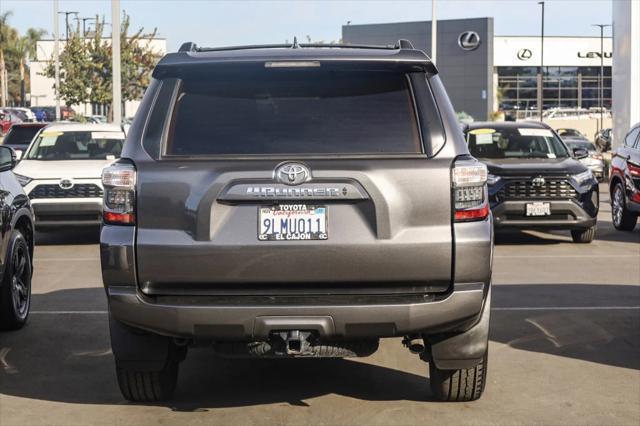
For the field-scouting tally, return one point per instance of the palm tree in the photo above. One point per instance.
(25, 49)
(8, 36)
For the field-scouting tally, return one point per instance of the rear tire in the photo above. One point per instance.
(458, 385)
(146, 363)
(148, 386)
(15, 293)
(583, 236)
(622, 218)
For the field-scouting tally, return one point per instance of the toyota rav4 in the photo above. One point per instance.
(296, 201)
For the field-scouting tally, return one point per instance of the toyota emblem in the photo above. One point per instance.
(538, 182)
(469, 40)
(292, 173)
(66, 183)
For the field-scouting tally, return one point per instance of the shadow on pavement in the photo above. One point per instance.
(514, 237)
(609, 233)
(68, 236)
(605, 336)
(67, 357)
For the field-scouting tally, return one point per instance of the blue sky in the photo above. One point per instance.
(219, 23)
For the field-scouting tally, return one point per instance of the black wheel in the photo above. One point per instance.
(623, 219)
(583, 236)
(458, 385)
(148, 386)
(15, 294)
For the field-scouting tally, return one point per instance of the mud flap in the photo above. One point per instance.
(138, 350)
(464, 350)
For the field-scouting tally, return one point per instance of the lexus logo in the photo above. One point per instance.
(538, 182)
(292, 173)
(469, 40)
(66, 183)
(524, 54)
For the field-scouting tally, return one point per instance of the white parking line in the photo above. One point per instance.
(64, 259)
(495, 308)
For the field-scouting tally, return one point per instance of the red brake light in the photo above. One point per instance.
(634, 170)
(472, 214)
(118, 206)
(119, 218)
(470, 191)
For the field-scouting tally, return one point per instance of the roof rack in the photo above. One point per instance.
(191, 47)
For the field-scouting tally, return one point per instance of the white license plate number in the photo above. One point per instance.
(292, 222)
(538, 209)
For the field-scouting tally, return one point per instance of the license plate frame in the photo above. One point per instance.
(302, 222)
(537, 209)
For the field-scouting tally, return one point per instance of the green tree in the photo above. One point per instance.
(8, 37)
(15, 53)
(74, 69)
(25, 50)
(85, 65)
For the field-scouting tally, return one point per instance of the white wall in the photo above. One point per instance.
(626, 67)
(558, 51)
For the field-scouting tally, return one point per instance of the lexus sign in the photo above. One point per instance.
(469, 40)
(525, 54)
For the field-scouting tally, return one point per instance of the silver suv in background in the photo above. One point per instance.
(296, 201)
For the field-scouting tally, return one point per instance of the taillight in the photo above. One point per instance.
(118, 207)
(634, 170)
(469, 181)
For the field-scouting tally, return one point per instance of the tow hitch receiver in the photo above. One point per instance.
(295, 342)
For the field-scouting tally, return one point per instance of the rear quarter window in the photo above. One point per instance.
(294, 112)
(19, 135)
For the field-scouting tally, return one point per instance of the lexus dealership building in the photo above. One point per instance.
(484, 73)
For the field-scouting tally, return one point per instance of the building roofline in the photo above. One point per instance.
(550, 36)
(418, 22)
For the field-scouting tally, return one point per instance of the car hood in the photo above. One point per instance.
(76, 169)
(533, 166)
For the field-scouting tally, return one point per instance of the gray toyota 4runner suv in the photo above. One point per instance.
(296, 201)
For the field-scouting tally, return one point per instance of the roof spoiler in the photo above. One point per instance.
(404, 49)
(401, 44)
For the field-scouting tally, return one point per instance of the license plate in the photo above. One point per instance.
(286, 222)
(538, 209)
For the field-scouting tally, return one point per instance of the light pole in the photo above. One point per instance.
(116, 108)
(601, 103)
(66, 22)
(541, 75)
(434, 32)
(84, 25)
(56, 55)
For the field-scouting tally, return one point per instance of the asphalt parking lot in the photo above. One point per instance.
(565, 349)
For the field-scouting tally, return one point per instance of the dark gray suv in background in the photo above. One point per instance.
(296, 201)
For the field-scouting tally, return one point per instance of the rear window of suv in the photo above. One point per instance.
(20, 135)
(294, 112)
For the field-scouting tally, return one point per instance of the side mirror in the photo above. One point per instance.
(8, 158)
(580, 153)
